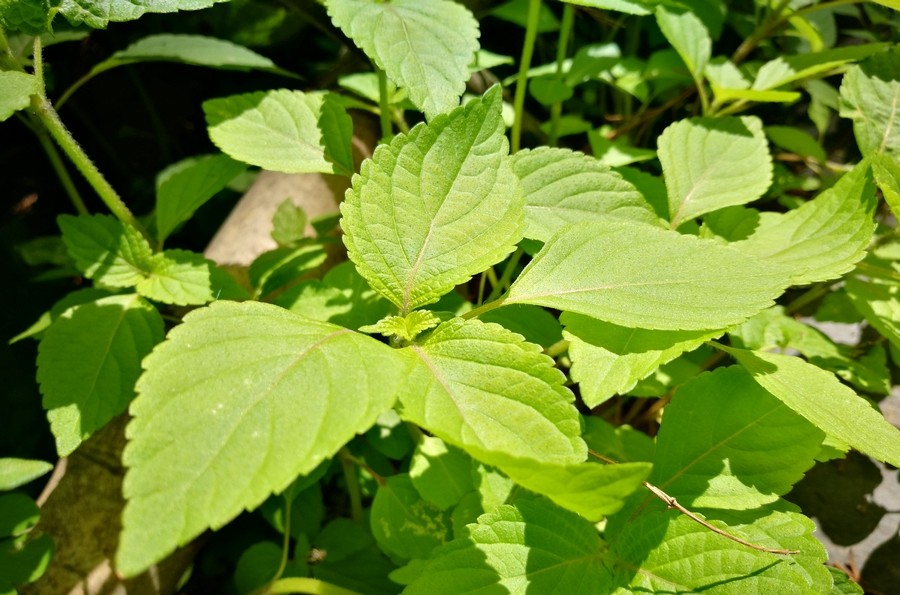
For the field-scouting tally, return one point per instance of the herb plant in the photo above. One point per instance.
(455, 388)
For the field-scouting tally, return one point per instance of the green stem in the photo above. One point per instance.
(7, 60)
(562, 49)
(44, 111)
(558, 348)
(487, 307)
(61, 172)
(356, 509)
(765, 29)
(534, 11)
(503, 284)
(384, 106)
(286, 541)
(809, 296)
(307, 585)
(78, 84)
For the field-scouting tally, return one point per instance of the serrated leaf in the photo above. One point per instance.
(179, 277)
(405, 327)
(823, 238)
(480, 387)
(435, 206)
(16, 89)
(887, 175)
(282, 130)
(532, 546)
(688, 34)
(238, 401)
(640, 276)
(788, 69)
(106, 250)
(425, 46)
(563, 187)
(819, 397)
(870, 96)
(609, 359)
(88, 362)
(183, 187)
(726, 443)
(17, 472)
(99, 13)
(711, 163)
(440, 473)
(404, 525)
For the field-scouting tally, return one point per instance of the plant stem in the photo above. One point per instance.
(307, 585)
(384, 106)
(487, 307)
(562, 49)
(61, 172)
(772, 22)
(503, 284)
(44, 111)
(356, 509)
(7, 60)
(534, 11)
(286, 542)
(808, 297)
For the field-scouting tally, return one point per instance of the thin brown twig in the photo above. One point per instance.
(672, 503)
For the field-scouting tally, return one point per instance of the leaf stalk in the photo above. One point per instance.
(534, 11)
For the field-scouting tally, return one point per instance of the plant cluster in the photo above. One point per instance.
(540, 369)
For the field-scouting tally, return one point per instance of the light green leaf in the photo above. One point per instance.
(425, 46)
(99, 13)
(638, 7)
(179, 277)
(404, 525)
(276, 268)
(726, 443)
(887, 176)
(788, 69)
(688, 34)
(563, 187)
(531, 546)
(843, 584)
(724, 95)
(879, 302)
(819, 397)
(640, 276)
(823, 238)
(796, 140)
(288, 223)
(16, 89)
(269, 396)
(88, 362)
(183, 187)
(711, 163)
(537, 325)
(74, 298)
(286, 131)
(608, 359)
(618, 152)
(435, 206)
(441, 473)
(621, 443)
(480, 387)
(106, 250)
(406, 327)
(18, 472)
(870, 96)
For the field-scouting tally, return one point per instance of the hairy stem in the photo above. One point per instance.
(7, 60)
(534, 11)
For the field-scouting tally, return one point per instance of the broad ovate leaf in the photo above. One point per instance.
(609, 359)
(179, 277)
(712, 163)
(823, 238)
(88, 362)
(878, 300)
(16, 89)
(235, 404)
(435, 206)
(106, 250)
(726, 443)
(794, 67)
(688, 34)
(99, 13)
(482, 388)
(563, 187)
(185, 186)
(17, 472)
(870, 96)
(424, 46)
(282, 130)
(821, 398)
(638, 276)
(530, 546)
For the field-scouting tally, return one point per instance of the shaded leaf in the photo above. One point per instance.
(106, 250)
(16, 89)
(870, 96)
(790, 68)
(404, 525)
(440, 473)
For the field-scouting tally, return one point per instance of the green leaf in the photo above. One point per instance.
(797, 141)
(288, 223)
(638, 7)
(532, 546)
(106, 250)
(183, 187)
(618, 152)
(282, 130)
(640, 276)
(819, 397)
(353, 560)
(440, 473)
(537, 325)
(404, 525)
(26, 564)
(99, 13)
(711, 163)
(823, 238)
(878, 302)
(843, 584)
(18, 514)
(435, 206)
(269, 395)
(619, 443)
(16, 89)
(31, 17)
(75, 298)
(726, 443)
(18, 472)
(278, 267)
(887, 176)
(406, 327)
(180, 277)
(788, 69)
(424, 46)
(608, 359)
(88, 362)
(870, 96)
(563, 187)
(688, 34)
(480, 387)
(257, 565)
